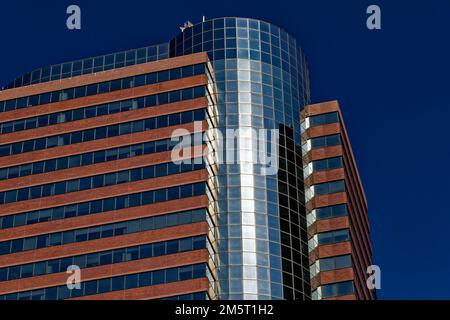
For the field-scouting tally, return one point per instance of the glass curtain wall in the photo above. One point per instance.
(262, 83)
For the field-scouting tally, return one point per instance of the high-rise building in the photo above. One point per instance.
(88, 179)
(336, 207)
(88, 182)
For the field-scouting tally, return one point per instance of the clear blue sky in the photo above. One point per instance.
(393, 86)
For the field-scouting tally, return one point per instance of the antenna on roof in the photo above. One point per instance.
(186, 25)
(204, 18)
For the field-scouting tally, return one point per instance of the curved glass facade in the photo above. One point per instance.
(262, 83)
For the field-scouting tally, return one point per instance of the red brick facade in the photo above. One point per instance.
(356, 220)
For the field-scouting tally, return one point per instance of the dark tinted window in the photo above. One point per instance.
(326, 141)
(333, 237)
(323, 119)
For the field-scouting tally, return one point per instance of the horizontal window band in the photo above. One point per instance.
(110, 86)
(113, 113)
(105, 192)
(99, 168)
(106, 75)
(337, 289)
(335, 263)
(103, 231)
(328, 164)
(71, 217)
(91, 65)
(153, 95)
(104, 130)
(326, 141)
(43, 270)
(74, 105)
(99, 181)
(326, 188)
(99, 145)
(159, 291)
(324, 119)
(329, 212)
(148, 278)
(17, 174)
(126, 265)
(86, 247)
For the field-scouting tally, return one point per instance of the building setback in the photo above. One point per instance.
(87, 177)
